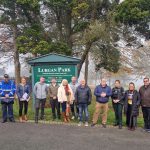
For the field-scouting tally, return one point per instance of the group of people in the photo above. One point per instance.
(71, 100)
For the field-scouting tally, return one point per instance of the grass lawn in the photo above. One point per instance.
(48, 114)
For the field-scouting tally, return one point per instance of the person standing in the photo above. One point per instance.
(83, 97)
(117, 102)
(74, 107)
(40, 91)
(131, 106)
(55, 105)
(102, 93)
(65, 97)
(23, 92)
(7, 93)
(145, 103)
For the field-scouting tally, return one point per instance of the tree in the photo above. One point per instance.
(13, 15)
(134, 13)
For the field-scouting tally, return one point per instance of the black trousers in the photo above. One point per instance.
(23, 105)
(118, 113)
(74, 109)
(131, 121)
(146, 116)
(55, 105)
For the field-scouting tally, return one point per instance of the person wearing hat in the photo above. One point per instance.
(7, 92)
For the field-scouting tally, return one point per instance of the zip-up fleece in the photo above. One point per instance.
(40, 90)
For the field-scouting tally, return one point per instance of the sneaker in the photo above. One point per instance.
(79, 124)
(11, 119)
(93, 124)
(104, 125)
(86, 124)
(147, 130)
(73, 117)
(133, 129)
(3, 121)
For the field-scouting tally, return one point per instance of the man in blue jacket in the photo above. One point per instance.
(7, 92)
(102, 93)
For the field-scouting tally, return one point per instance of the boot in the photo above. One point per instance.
(20, 119)
(68, 119)
(64, 117)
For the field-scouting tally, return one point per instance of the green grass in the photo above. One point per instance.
(48, 114)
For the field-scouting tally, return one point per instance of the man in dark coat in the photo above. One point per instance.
(131, 105)
(83, 98)
(145, 103)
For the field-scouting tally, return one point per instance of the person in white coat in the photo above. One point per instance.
(65, 97)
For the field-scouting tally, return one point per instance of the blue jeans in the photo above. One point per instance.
(63, 106)
(7, 108)
(83, 108)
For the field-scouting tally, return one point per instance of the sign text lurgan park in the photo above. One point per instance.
(57, 71)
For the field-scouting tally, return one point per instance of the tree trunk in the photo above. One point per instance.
(86, 68)
(59, 23)
(16, 56)
(68, 28)
(88, 46)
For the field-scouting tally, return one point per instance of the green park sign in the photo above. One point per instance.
(53, 66)
(59, 72)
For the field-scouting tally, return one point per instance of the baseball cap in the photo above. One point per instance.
(6, 76)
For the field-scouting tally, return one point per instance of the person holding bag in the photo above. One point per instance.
(131, 106)
(23, 92)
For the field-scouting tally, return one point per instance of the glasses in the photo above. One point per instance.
(145, 81)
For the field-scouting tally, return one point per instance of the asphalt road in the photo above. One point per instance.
(30, 136)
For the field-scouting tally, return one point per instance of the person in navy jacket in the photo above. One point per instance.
(23, 92)
(102, 93)
(7, 92)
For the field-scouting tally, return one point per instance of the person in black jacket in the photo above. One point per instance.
(117, 102)
(132, 102)
(83, 98)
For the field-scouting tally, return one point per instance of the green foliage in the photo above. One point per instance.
(60, 47)
(108, 58)
(34, 41)
(33, 3)
(133, 11)
(80, 26)
(79, 9)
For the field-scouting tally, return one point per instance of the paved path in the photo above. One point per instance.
(30, 136)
